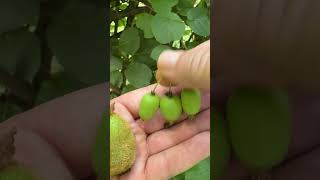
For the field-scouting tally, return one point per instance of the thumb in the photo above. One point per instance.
(189, 68)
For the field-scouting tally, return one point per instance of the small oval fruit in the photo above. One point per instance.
(17, 172)
(100, 149)
(149, 105)
(221, 146)
(259, 122)
(170, 108)
(191, 101)
(122, 145)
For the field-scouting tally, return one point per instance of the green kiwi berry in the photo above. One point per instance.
(259, 126)
(149, 105)
(170, 108)
(191, 101)
(100, 149)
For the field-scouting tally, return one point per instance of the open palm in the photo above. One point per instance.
(164, 152)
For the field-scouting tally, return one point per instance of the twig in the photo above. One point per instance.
(18, 88)
(115, 15)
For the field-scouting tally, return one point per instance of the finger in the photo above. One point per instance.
(187, 68)
(305, 167)
(167, 138)
(142, 151)
(179, 158)
(158, 122)
(69, 123)
(37, 154)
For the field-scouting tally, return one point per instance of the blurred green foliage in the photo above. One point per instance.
(49, 48)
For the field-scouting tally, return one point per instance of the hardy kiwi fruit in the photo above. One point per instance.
(17, 172)
(170, 108)
(122, 145)
(149, 105)
(259, 122)
(100, 149)
(191, 101)
(221, 146)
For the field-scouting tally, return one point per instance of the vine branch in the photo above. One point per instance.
(17, 87)
(116, 15)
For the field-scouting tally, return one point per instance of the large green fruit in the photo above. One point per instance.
(100, 149)
(149, 105)
(16, 172)
(259, 122)
(191, 101)
(170, 108)
(221, 147)
(122, 146)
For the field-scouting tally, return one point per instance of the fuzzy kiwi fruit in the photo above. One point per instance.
(100, 149)
(122, 145)
(17, 172)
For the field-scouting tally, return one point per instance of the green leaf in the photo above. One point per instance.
(128, 88)
(59, 85)
(184, 6)
(7, 110)
(163, 6)
(76, 38)
(139, 75)
(20, 54)
(158, 50)
(115, 63)
(129, 40)
(179, 177)
(167, 27)
(143, 54)
(201, 171)
(199, 21)
(116, 78)
(144, 23)
(18, 13)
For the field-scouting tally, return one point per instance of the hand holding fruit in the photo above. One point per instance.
(160, 149)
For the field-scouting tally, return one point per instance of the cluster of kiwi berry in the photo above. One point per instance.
(257, 130)
(171, 106)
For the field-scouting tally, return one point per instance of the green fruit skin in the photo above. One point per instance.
(148, 106)
(191, 101)
(17, 172)
(122, 146)
(170, 108)
(259, 122)
(221, 146)
(100, 149)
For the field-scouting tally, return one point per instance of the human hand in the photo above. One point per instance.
(164, 153)
(185, 68)
(55, 139)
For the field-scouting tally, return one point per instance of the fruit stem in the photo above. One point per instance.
(153, 92)
(112, 107)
